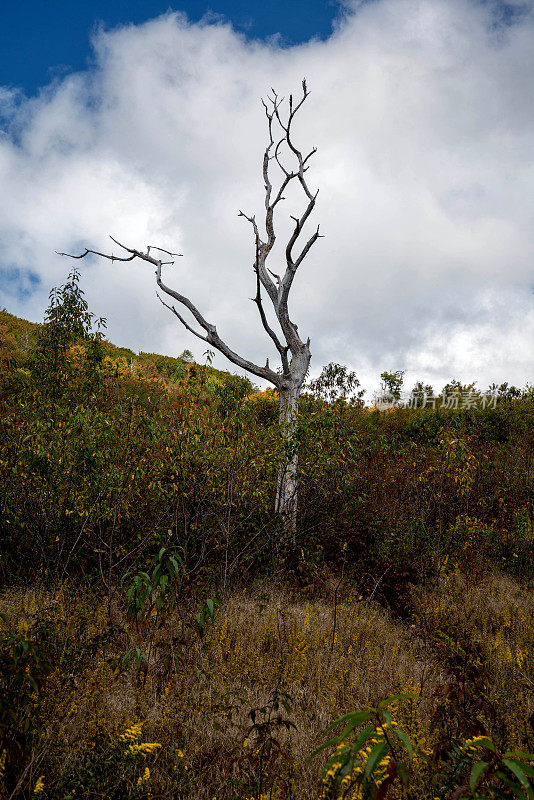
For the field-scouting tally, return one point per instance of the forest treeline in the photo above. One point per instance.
(137, 532)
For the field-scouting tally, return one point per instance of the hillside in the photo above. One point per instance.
(160, 635)
(18, 336)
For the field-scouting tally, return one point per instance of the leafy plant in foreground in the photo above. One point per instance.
(488, 775)
(264, 759)
(370, 754)
(148, 596)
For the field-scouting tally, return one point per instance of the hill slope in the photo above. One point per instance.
(18, 336)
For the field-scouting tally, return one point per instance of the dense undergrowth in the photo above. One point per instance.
(147, 648)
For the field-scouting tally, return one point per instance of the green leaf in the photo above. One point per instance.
(362, 738)
(516, 768)
(405, 739)
(377, 754)
(395, 697)
(528, 769)
(476, 773)
(519, 754)
(513, 786)
(485, 742)
(333, 743)
(324, 746)
(355, 716)
(404, 773)
(348, 730)
(174, 561)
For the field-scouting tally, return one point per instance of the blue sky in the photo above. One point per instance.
(43, 39)
(153, 131)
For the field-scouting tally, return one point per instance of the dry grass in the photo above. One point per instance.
(196, 697)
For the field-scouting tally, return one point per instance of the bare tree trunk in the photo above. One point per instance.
(287, 489)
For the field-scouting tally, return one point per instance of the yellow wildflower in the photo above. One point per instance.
(132, 734)
(39, 786)
(143, 749)
(471, 744)
(145, 776)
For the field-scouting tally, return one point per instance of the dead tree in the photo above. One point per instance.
(290, 165)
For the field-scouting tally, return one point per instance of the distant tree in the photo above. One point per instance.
(67, 321)
(8, 359)
(392, 383)
(335, 383)
(457, 387)
(290, 165)
(421, 394)
(505, 392)
(7, 348)
(187, 356)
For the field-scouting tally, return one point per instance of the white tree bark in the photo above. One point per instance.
(286, 490)
(293, 351)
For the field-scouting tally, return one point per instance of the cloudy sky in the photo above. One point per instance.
(150, 128)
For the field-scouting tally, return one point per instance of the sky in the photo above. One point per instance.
(144, 121)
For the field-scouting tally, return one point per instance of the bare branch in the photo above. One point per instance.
(96, 253)
(254, 224)
(213, 338)
(277, 156)
(307, 247)
(274, 153)
(299, 224)
(262, 251)
(161, 250)
(277, 343)
(289, 177)
(182, 320)
(310, 154)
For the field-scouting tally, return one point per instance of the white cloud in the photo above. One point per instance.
(421, 111)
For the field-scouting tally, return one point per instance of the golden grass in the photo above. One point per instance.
(195, 698)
